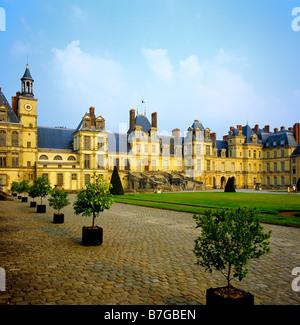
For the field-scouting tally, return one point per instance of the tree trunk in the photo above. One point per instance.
(228, 279)
(93, 219)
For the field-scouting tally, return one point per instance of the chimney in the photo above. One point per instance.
(92, 115)
(14, 103)
(240, 127)
(291, 129)
(275, 130)
(154, 120)
(225, 138)
(213, 137)
(267, 128)
(256, 128)
(282, 128)
(297, 132)
(176, 135)
(132, 120)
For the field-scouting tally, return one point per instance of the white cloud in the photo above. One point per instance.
(81, 80)
(159, 62)
(209, 91)
(20, 48)
(77, 13)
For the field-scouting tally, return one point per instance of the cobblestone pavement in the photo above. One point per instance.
(146, 258)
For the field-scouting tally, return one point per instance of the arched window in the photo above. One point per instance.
(71, 158)
(44, 157)
(58, 158)
(15, 139)
(2, 138)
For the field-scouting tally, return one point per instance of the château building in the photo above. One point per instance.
(147, 161)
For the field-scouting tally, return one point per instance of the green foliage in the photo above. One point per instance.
(230, 185)
(94, 199)
(58, 200)
(33, 192)
(15, 187)
(43, 187)
(229, 239)
(117, 187)
(24, 186)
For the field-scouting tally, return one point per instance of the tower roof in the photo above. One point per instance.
(27, 74)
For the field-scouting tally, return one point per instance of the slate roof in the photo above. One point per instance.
(55, 138)
(143, 121)
(281, 138)
(27, 74)
(12, 118)
(296, 153)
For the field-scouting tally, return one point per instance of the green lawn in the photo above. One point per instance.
(269, 205)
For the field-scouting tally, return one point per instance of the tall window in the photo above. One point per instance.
(87, 161)
(15, 160)
(87, 178)
(60, 179)
(15, 139)
(2, 159)
(100, 162)
(2, 138)
(87, 143)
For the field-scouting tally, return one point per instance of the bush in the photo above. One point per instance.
(230, 185)
(33, 192)
(24, 187)
(229, 239)
(94, 199)
(43, 187)
(58, 200)
(117, 187)
(15, 187)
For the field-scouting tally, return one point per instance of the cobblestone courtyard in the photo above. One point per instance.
(146, 258)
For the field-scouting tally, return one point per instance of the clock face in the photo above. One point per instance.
(28, 107)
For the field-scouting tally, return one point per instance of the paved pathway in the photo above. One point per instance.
(146, 258)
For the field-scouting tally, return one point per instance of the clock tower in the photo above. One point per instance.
(27, 114)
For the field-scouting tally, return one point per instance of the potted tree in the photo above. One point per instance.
(33, 193)
(43, 188)
(229, 239)
(91, 202)
(58, 200)
(14, 188)
(24, 188)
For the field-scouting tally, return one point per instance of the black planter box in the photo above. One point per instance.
(14, 194)
(33, 204)
(41, 208)
(24, 199)
(19, 197)
(92, 236)
(213, 298)
(58, 218)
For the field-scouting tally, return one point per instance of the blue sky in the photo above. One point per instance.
(223, 62)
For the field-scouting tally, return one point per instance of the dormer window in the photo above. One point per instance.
(3, 116)
(86, 123)
(100, 124)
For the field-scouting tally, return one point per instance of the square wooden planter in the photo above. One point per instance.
(92, 236)
(58, 218)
